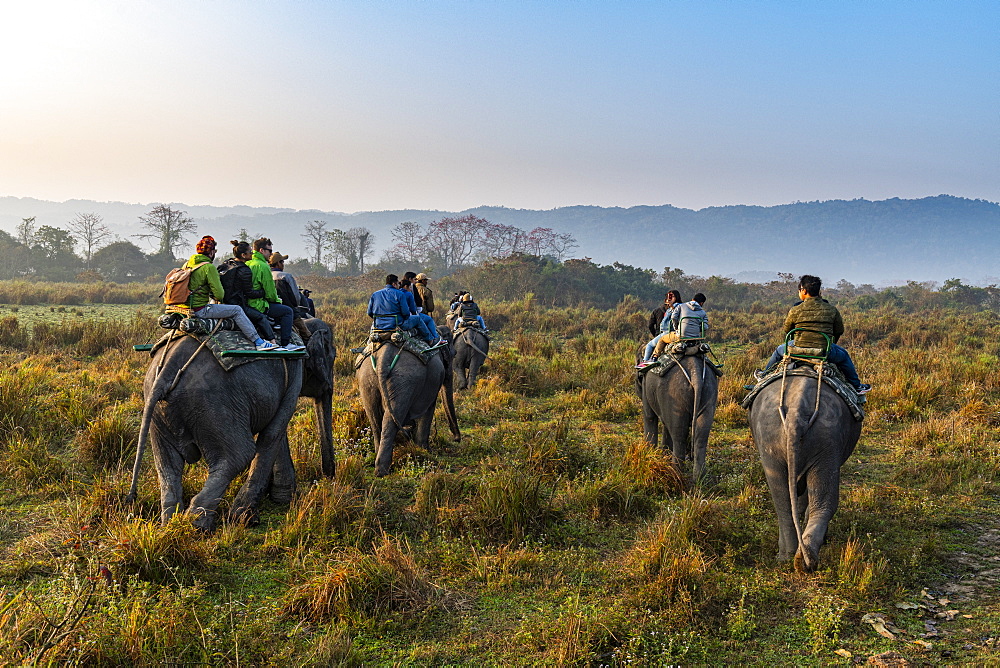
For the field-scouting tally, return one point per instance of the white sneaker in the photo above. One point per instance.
(269, 347)
(292, 347)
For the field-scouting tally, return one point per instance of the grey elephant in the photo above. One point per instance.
(472, 347)
(196, 409)
(399, 392)
(802, 446)
(683, 396)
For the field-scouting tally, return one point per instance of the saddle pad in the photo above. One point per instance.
(402, 340)
(231, 349)
(665, 363)
(831, 376)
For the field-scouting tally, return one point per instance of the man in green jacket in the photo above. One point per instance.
(204, 284)
(814, 313)
(270, 305)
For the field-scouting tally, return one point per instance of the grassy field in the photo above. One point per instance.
(551, 535)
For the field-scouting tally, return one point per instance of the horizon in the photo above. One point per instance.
(356, 107)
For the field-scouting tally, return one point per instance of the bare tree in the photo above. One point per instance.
(502, 241)
(455, 241)
(89, 229)
(561, 244)
(26, 232)
(317, 238)
(353, 247)
(243, 234)
(167, 228)
(407, 248)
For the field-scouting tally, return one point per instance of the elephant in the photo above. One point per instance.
(802, 453)
(471, 349)
(194, 408)
(684, 399)
(398, 390)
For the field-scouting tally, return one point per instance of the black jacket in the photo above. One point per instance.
(237, 281)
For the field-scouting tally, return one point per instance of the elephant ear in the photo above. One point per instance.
(319, 364)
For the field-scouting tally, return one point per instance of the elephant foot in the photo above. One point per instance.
(282, 495)
(246, 514)
(784, 557)
(381, 472)
(806, 563)
(205, 520)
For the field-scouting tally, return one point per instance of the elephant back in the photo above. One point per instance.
(832, 377)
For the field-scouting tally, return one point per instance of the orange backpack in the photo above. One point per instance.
(176, 288)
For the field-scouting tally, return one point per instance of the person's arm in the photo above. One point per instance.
(838, 325)
(267, 284)
(214, 284)
(244, 278)
(790, 320)
(428, 299)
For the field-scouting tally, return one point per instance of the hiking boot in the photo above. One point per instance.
(269, 347)
(759, 374)
(864, 388)
(292, 347)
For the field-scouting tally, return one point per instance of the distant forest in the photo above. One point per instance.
(878, 242)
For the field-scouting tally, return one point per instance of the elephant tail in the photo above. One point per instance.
(795, 430)
(158, 392)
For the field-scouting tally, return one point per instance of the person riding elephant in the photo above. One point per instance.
(468, 313)
(205, 285)
(425, 296)
(816, 317)
(270, 304)
(237, 280)
(288, 292)
(389, 308)
(407, 287)
(664, 325)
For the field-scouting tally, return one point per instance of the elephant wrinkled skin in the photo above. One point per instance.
(802, 462)
(398, 396)
(215, 414)
(684, 399)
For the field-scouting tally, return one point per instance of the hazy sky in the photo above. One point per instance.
(368, 105)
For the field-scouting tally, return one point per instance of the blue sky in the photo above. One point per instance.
(352, 106)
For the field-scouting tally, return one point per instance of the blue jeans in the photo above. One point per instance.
(837, 355)
(417, 323)
(283, 315)
(651, 346)
(222, 311)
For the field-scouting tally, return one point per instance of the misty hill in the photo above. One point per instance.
(893, 240)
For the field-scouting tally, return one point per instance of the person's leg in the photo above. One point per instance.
(778, 353)
(482, 323)
(430, 325)
(414, 322)
(222, 311)
(260, 322)
(842, 359)
(650, 347)
(283, 314)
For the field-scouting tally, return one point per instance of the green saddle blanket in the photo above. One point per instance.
(230, 348)
(399, 338)
(665, 363)
(832, 376)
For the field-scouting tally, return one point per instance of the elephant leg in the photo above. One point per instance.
(651, 426)
(386, 443)
(474, 370)
(777, 481)
(324, 424)
(169, 471)
(824, 493)
(272, 464)
(699, 446)
(422, 430)
(204, 506)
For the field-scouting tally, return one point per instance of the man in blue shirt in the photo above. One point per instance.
(389, 308)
